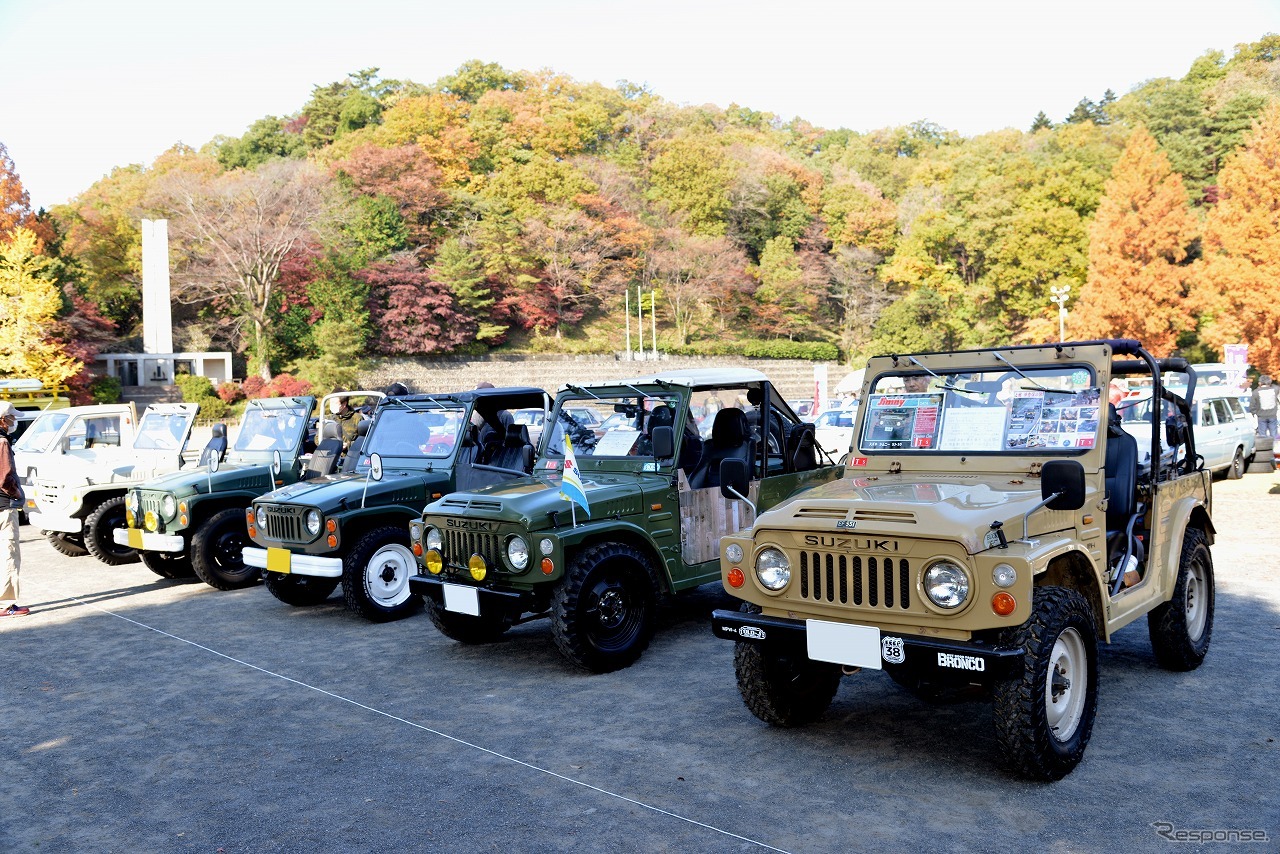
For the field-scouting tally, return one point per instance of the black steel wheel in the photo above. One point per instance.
(99, 528)
(602, 614)
(217, 551)
(168, 564)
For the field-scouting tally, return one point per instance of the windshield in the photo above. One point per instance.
(431, 433)
(162, 431)
(1045, 409)
(40, 434)
(595, 431)
(271, 429)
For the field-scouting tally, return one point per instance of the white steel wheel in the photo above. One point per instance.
(386, 575)
(1066, 685)
(1194, 602)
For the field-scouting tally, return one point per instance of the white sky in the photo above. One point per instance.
(93, 84)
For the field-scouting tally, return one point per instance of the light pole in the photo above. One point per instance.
(1061, 293)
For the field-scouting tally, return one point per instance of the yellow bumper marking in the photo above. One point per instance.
(135, 538)
(278, 560)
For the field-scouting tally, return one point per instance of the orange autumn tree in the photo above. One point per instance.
(1238, 279)
(1137, 285)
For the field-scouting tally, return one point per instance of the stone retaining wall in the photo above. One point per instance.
(793, 377)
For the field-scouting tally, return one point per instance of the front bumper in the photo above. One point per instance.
(933, 656)
(471, 599)
(146, 541)
(53, 522)
(291, 563)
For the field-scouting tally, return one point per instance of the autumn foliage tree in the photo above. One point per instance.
(1137, 284)
(414, 315)
(29, 305)
(1239, 277)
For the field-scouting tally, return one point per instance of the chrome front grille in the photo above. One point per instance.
(459, 546)
(284, 524)
(151, 502)
(884, 583)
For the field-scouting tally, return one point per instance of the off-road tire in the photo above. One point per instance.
(1060, 646)
(603, 612)
(217, 551)
(1235, 471)
(98, 529)
(299, 590)
(784, 689)
(1181, 628)
(466, 628)
(168, 564)
(70, 545)
(381, 592)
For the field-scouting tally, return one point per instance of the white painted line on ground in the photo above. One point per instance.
(436, 732)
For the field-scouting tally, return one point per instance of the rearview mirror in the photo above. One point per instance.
(375, 466)
(213, 463)
(734, 480)
(1065, 478)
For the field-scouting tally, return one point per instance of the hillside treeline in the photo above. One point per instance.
(511, 209)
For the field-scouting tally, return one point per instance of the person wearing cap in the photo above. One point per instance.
(1263, 406)
(11, 499)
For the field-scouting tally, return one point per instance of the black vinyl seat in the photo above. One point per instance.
(353, 452)
(730, 439)
(516, 451)
(216, 447)
(1122, 474)
(325, 457)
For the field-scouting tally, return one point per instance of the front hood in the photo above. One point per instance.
(330, 492)
(954, 507)
(530, 500)
(228, 478)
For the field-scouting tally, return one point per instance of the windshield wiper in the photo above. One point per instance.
(1034, 384)
(946, 383)
(577, 389)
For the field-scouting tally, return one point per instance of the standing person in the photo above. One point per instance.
(348, 421)
(11, 498)
(1263, 406)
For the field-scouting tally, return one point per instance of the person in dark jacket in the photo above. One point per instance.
(11, 499)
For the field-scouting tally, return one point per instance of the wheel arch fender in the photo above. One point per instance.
(354, 527)
(627, 534)
(1071, 567)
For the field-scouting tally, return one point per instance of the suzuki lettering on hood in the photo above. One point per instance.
(852, 544)
(471, 525)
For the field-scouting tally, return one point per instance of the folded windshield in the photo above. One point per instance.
(1045, 409)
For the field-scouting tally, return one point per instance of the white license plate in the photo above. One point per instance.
(461, 599)
(840, 643)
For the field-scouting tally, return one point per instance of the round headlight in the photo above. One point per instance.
(733, 552)
(433, 539)
(169, 506)
(261, 516)
(313, 522)
(946, 585)
(773, 569)
(135, 501)
(518, 552)
(546, 546)
(1004, 575)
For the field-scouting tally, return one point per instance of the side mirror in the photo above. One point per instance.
(375, 466)
(664, 442)
(1173, 431)
(734, 480)
(276, 465)
(1065, 477)
(213, 463)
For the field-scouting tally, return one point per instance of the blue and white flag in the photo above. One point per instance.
(571, 488)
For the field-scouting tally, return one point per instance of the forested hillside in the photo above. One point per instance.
(511, 209)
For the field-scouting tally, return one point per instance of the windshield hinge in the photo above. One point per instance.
(895, 467)
(1035, 470)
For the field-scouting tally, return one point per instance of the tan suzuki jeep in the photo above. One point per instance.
(994, 524)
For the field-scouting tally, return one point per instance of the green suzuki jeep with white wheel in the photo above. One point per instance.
(353, 528)
(996, 523)
(648, 455)
(193, 520)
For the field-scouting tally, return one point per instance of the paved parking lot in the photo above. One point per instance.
(147, 715)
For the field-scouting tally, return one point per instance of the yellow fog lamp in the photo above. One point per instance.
(477, 567)
(129, 518)
(433, 562)
(150, 521)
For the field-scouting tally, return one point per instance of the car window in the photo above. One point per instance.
(1206, 415)
(95, 432)
(1237, 409)
(1221, 411)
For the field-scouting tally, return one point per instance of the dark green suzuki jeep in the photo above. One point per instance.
(354, 528)
(648, 453)
(193, 520)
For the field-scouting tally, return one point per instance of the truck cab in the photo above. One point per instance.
(648, 453)
(353, 528)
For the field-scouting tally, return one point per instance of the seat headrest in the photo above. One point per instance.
(662, 416)
(755, 396)
(362, 429)
(505, 418)
(730, 427)
(331, 430)
(219, 431)
(517, 435)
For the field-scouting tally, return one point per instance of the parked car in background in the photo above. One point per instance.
(1224, 430)
(834, 429)
(806, 409)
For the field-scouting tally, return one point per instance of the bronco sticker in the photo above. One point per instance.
(961, 662)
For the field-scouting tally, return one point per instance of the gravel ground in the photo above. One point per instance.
(148, 715)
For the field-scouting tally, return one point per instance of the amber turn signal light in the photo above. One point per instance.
(547, 566)
(1003, 604)
(332, 541)
(417, 549)
(736, 578)
(331, 525)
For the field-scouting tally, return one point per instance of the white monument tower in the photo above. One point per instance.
(157, 312)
